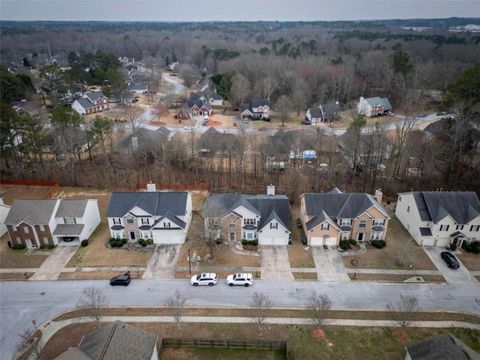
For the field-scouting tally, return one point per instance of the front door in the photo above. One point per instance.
(232, 236)
(132, 235)
(360, 237)
(31, 243)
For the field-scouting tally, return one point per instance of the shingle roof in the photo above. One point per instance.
(71, 208)
(156, 203)
(163, 130)
(94, 95)
(191, 102)
(260, 102)
(462, 206)
(118, 341)
(245, 106)
(218, 141)
(440, 347)
(85, 103)
(315, 112)
(147, 140)
(172, 218)
(267, 206)
(34, 212)
(330, 108)
(336, 205)
(425, 231)
(73, 354)
(68, 229)
(377, 101)
(137, 86)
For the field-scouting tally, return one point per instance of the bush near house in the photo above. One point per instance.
(345, 244)
(114, 242)
(249, 242)
(142, 242)
(379, 244)
(18, 246)
(473, 247)
(84, 243)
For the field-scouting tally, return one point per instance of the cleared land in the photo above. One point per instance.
(470, 260)
(339, 342)
(12, 192)
(399, 244)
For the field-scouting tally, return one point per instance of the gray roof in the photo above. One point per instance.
(163, 130)
(267, 206)
(157, 203)
(69, 229)
(86, 104)
(260, 102)
(315, 112)
(71, 208)
(191, 102)
(137, 86)
(336, 205)
(462, 206)
(245, 106)
(330, 108)
(172, 218)
(441, 347)
(215, 140)
(94, 95)
(377, 101)
(148, 140)
(73, 354)
(118, 341)
(34, 212)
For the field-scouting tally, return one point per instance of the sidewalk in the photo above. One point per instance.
(55, 263)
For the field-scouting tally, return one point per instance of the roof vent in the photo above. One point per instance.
(271, 189)
(151, 186)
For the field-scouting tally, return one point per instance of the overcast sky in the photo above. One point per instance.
(205, 10)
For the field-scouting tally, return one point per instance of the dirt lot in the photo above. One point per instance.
(12, 192)
(339, 342)
(399, 242)
(470, 260)
(198, 247)
(15, 276)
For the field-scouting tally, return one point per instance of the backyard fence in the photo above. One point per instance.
(54, 186)
(160, 186)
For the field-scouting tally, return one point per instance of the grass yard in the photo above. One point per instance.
(222, 253)
(394, 278)
(470, 260)
(399, 242)
(15, 276)
(300, 257)
(305, 276)
(19, 258)
(12, 192)
(339, 342)
(96, 275)
(220, 354)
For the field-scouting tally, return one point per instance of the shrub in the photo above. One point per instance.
(84, 242)
(43, 246)
(473, 247)
(142, 242)
(123, 241)
(352, 242)
(379, 244)
(18, 246)
(50, 246)
(254, 242)
(244, 242)
(149, 241)
(345, 244)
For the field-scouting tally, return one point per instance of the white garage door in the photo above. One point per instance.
(166, 237)
(272, 240)
(331, 241)
(316, 241)
(428, 242)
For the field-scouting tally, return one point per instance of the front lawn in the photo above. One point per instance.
(10, 258)
(470, 260)
(399, 243)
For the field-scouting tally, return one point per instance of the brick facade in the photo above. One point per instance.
(23, 232)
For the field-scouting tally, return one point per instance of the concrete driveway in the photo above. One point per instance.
(329, 264)
(458, 276)
(162, 262)
(55, 263)
(275, 263)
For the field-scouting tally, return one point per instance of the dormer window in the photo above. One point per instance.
(166, 224)
(249, 221)
(145, 221)
(273, 225)
(325, 226)
(130, 221)
(117, 221)
(444, 227)
(346, 222)
(378, 222)
(362, 224)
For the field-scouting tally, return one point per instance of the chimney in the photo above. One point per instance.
(271, 189)
(378, 196)
(151, 186)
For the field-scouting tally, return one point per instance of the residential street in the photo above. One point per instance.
(24, 301)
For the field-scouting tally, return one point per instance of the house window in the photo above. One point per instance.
(145, 221)
(475, 228)
(69, 220)
(444, 227)
(166, 224)
(214, 221)
(18, 240)
(399, 198)
(376, 235)
(116, 235)
(117, 221)
(378, 222)
(344, 235)
(346, 222)
(325, 226)
(249, 221)
(42, 228)
(408, 208)
(273, 225)
(129, 221)
(45, 240)
(231, 225)
(26, 230)
(249, 235)
(362, 224)
(14, 228)
(459, 227)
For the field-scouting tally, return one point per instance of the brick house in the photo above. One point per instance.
(91, 102)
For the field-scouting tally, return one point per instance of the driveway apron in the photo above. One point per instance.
(452, 276)
(275, 263)
(162, 262)
(55, 263)
(329, 265)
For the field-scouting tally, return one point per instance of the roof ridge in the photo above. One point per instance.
(344, 204)
(109, 339)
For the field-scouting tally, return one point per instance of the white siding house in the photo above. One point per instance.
(4, 209)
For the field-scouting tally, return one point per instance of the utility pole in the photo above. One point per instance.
(189, 263)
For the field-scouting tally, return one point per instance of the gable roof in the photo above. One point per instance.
(330, 108)
(34, 212)
(315, 112)
(260, 102)
(147, 139)
(94, 95)
(71, 208)
(268, 207)
(196, 101)
(73, 354)
(462, 206)
(172, 218)
(118, 341)
(137, 86)
(85, 103)
(164, 130)
(338, 205)
(156, 203)
(217, 141)
(441, 347)
(377, 101)
(245, 107)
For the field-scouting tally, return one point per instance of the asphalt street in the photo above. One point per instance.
(24, 301)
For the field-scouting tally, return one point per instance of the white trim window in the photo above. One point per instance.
(249, 235)
(444, 227)
(377, 235)
(145, 221)
(26, 230)
(379, 222)
(117, 221)
(459, 227)
(69, 220)
(475, 228)
(344, 236)
(346, 222)
(231, 225)
(325, 226)
(41, 227)
(274, 225)
(249, 221)
(130, 221)
(362, 224)
(167, 224)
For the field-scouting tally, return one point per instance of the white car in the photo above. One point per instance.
(209, 279)
(188, 128)
(240, 280)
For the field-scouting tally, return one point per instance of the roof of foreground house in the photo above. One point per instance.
(462, 206)
(337, 205)
(441, 347)
(378, 101)
(33, 212)
(268, 207)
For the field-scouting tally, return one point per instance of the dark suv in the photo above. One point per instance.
(450, 260)
(121, 279)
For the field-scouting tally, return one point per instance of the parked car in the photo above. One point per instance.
(306, 122)
(239, 280)
(209, 279)
(124, 279)
(188, 128)
(299, 223)
(304, 240)
(450, 260)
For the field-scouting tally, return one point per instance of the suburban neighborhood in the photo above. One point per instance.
(200, 188)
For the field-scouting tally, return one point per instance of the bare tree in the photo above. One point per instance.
(188, 74)
(93, 300)
(28, 342)
(285, 106)
(240, 89)
(404, 310)
(176, 304)
(261, 304)
(131, 114)
(318, 306)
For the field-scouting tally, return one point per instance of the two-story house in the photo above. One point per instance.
(194, 107)
(34, 223)
(330, 217)
(440, 218)
(234, 217)
(162, 216)
(91, 102)
(374, 106)
(258, 109)
(323, 113)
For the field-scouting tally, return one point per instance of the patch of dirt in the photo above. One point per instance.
(214, 123)
(318, 334)
(15, 276)
(401, 335)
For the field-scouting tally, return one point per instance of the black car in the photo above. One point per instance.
(121, 279)
(299, 223)
(450, 260)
